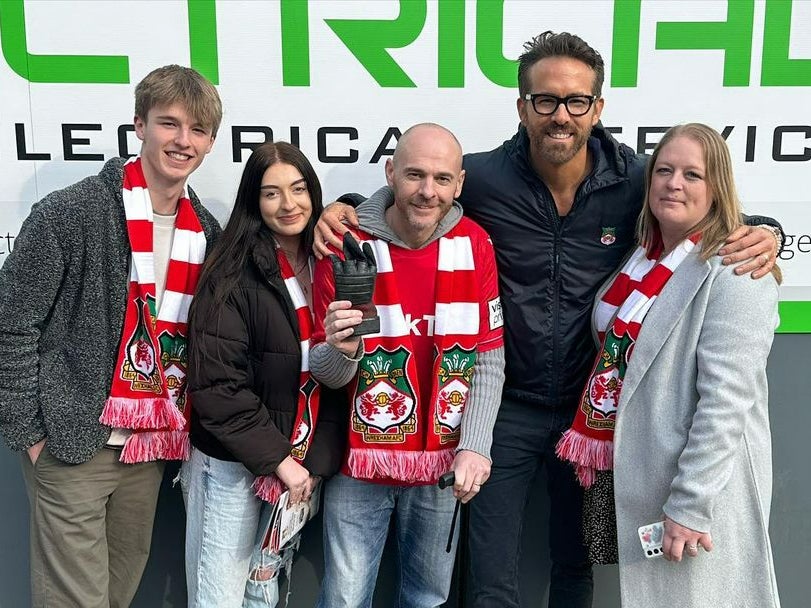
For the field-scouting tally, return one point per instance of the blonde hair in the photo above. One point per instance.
(724, 215)
(177, 84)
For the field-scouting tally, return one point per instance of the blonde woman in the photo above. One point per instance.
(677, 403)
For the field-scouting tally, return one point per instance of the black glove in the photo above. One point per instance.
(355, 281)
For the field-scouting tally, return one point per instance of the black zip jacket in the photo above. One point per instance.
(550, 266)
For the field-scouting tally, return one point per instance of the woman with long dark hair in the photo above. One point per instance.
(260, 424)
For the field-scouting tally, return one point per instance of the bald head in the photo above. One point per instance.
(426, 130)
(425, 175)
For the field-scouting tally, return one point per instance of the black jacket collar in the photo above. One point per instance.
(612, 160)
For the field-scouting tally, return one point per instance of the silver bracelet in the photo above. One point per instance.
(775, 232)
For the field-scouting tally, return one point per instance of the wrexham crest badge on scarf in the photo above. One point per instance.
(454, 374)
(384, 399)
(609, 235)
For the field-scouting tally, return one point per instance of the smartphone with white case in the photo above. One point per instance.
(651, 537)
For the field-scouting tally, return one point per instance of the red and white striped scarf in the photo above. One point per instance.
(392, 435)
(270, 487)
(148, 391)
(618, 317)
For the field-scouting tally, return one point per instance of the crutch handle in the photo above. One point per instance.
(446, 480)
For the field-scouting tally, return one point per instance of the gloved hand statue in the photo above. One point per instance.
(355, 281)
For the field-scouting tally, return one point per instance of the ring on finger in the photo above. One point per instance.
(764, 259)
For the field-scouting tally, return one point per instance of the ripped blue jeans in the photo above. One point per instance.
(262, 589)
(225, 523)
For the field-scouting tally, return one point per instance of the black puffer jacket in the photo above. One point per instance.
(244, 387)
(550, 266)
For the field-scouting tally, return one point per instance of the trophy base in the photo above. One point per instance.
(367, 326)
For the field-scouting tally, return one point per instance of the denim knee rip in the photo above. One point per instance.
(262, 588)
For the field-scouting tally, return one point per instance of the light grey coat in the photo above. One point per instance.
(692, 441)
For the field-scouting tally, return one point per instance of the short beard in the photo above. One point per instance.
(420, 224)
(556, 154)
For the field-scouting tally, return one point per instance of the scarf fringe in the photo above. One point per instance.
(268, 488)
(156, 445)
(587, 453)
(407, 466)
(142, 413)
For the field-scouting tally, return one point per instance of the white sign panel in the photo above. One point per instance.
(343, 78)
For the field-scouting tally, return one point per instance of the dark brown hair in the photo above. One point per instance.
(564, 44)
(223, 267)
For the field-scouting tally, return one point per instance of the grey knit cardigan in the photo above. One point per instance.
(62, 300)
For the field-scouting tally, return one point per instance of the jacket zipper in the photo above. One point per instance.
(556, 226)
(557, 222)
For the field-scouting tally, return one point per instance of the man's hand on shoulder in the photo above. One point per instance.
(471, 470)
(756, 247)
(331, 227)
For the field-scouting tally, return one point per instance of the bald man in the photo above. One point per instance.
(416, 411)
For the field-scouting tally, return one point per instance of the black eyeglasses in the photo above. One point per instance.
(545, 105)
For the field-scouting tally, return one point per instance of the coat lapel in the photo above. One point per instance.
(669, 307)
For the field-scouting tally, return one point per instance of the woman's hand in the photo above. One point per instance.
(339, 326)
(330, 228)
(680, 541)
(296, 478)
(312, 484)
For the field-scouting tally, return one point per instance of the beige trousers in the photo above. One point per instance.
(90, 528)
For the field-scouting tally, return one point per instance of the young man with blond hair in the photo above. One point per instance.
(92, 346)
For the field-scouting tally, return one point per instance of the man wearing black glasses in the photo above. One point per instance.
(560, 201)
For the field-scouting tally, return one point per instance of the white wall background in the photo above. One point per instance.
(673, 86)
